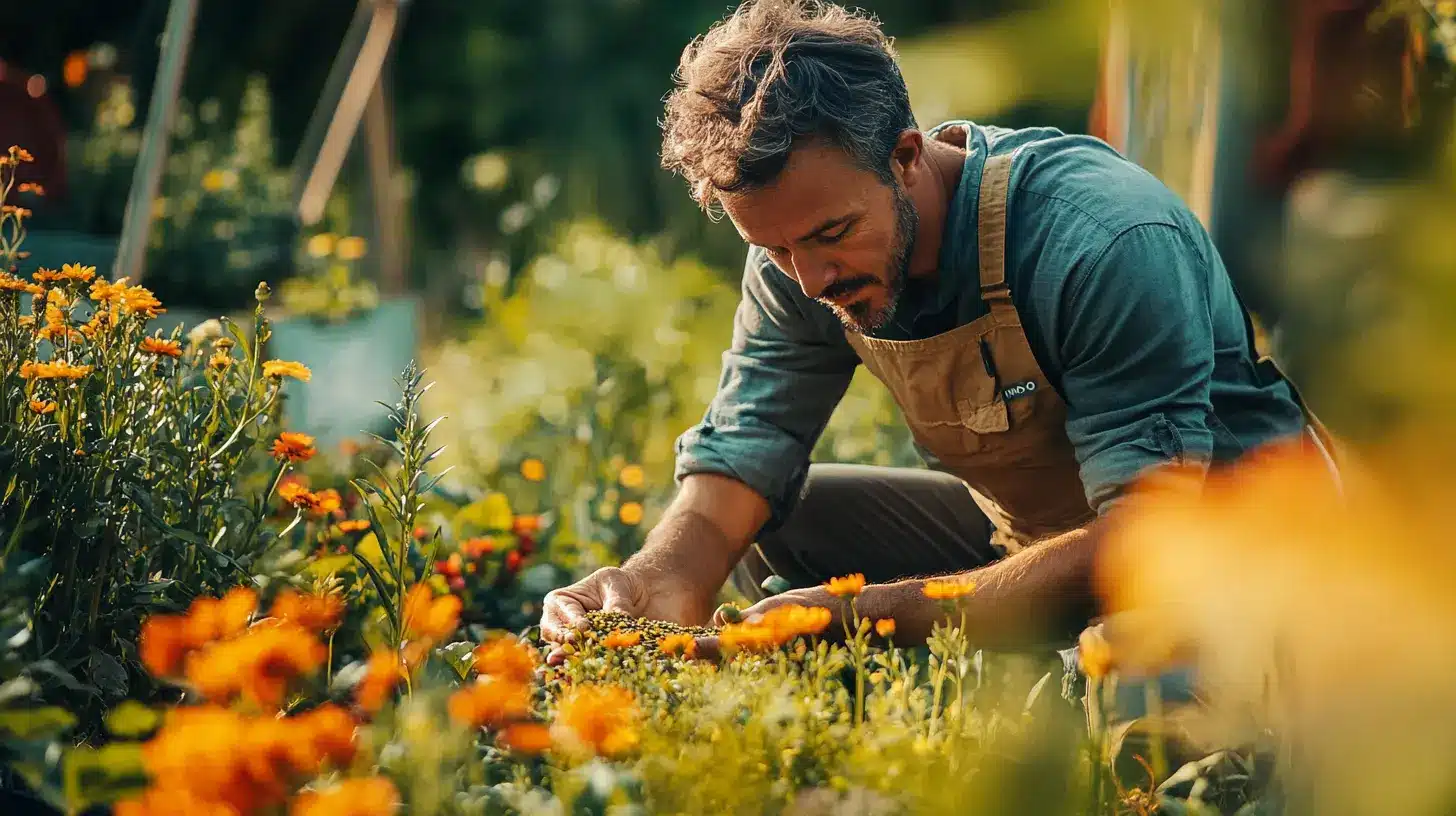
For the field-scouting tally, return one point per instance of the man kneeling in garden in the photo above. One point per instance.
(1050, 318)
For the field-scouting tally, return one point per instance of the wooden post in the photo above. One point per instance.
(136, 222)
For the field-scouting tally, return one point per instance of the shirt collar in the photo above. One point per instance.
(959, 244)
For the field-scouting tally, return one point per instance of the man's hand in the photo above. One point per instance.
(612, 589)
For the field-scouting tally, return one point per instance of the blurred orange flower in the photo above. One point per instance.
(426, 616)
(489, 702)
(381, 674)
(949, 588)
(43, 406)
(370, 796)
(258, 665)
(598, 718)
(683, 645)
(317, 613)
(533, 470)
(885, 627)
(160, 347)
(506, 658)
(525, 738)
(622, 640)
(286, 368)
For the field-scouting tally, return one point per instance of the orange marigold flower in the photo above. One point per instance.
(293, 446)
(220, 361)
(103, 291)
(885, 627)
(295, 492)
(160, 347)
(948, 589)
(315, 612)
(258, 665)
(327, 501)
(43, 406)
(77, 272)
(848, 585)
(20, 154)
(525, 525)
(506, 658)
(381, 674)
(371, 796)
(476, 547)
(428, 617)
(10, 283)
(20, 212)
(60, 370)
(30, 187)
(46, 275)
(139, 300)
(622, 640)
(599, 719)
(352, 526)
(776, 627)
(285, 368)
(684, 645)
(525, 738)
(490, 702)
(166, 640)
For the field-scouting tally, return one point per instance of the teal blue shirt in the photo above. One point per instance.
(1124, 300)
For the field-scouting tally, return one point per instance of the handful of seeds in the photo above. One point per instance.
(652, 631)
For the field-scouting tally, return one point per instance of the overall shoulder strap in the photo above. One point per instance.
(991, 233)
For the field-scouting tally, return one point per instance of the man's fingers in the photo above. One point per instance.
(564, 617)
(617, 595)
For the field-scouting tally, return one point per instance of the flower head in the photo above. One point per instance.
(506, 658)
(533, 470)
(60, 370)
(220, 361)
(678, 645)
(370, 796)
(947, 589)
(598, 719)
(352, 526)
(285, 368)
(381, 674)
(525, 738)
(293, 447)
(849, 585)
(490, 703)
(885, 627)
(258, 665)
(160, 347)
(166, 640)
(630, 514)
(632, 477)
(622, 640)
(1094, 654)
(317, 613)
(43, 406)
(426, 616)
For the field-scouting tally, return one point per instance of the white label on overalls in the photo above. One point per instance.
(1023, 389)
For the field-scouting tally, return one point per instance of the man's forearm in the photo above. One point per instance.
(1029, 599)
(702, 537)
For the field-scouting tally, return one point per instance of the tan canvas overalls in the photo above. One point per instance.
(976, 399)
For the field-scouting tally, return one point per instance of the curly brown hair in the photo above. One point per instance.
(774, 74)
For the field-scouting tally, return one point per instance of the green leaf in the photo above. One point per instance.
(103, 775)
(461, 656)
(108, 674)
(36, 723)
(132, 720)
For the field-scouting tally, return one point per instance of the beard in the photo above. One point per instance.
(862, 317)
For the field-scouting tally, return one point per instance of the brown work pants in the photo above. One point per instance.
(888, 523)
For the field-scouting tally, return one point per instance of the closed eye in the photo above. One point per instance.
(832, 237)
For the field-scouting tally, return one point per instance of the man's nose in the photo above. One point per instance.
(814, 275)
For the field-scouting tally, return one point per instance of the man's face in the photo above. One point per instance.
(838, 230)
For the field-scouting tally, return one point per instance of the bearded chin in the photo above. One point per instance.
(862, 317)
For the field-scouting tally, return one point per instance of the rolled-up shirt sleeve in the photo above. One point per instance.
(786, 370)
(1137, 358)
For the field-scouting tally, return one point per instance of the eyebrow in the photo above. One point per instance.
(828, 225)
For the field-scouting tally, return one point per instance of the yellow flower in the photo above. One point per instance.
(947, 589)
(630, 514)
(533, 470)
(286, 368)
(315, 612)
(506, 658)
(525, 738)
(160, 347)
(685, 645)
(371, 796)
(77, 272)
(885, 627)
(599, 719)
(622, 640)
(10, 283)
(220, 361)
(139, 300)
(321, 245)
(849, 585)
(1094, 653)
(212, 181)
(352, 526)
(632, 477)
(43, 406)
(292, 446)
(351, 248)
(489, 703)
(776, 627)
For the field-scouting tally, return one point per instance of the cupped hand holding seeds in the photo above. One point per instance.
(610, 589)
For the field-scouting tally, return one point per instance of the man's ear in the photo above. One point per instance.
(907, 159)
